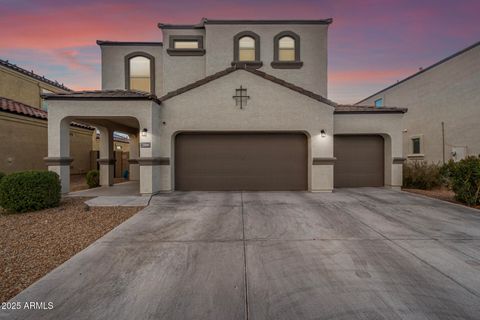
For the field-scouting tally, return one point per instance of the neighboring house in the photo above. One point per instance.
(443, 101)
(230, 105)
(23, 122)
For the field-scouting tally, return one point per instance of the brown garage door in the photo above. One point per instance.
(241, 161)
(359, 161)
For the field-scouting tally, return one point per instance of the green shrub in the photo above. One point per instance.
(2, 175)
(465, 180)
(30, 191)
(446, 172)
(93, 179)
(421, 175)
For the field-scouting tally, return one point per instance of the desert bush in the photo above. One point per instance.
(93, 179)
(30, 191)
(421, 175)
(464, 177)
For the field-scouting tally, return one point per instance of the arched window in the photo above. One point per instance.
(286, 51)
(140, 70)
(247, 49)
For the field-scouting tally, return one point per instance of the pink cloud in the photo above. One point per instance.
(367, 76)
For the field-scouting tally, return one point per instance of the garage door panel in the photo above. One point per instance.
(360, 161)
(241, 161)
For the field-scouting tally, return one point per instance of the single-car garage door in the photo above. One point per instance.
(241, 161)
(359, 161)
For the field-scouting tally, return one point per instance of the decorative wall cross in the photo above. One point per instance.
(241, 97)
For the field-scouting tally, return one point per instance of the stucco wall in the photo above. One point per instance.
(313, 52)
(271, 108)
(448, 92)
(389, 126)
(178, 71)
(24, 145)
(173, 72)
(113, 65)
(21, 88)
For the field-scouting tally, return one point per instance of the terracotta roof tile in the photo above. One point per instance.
(12, 106)
(103, 95)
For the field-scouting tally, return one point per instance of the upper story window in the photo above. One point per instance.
(140, 69)
(286, 49)
(246, 49)
(186, 45)
(379, 103)
(286, 54)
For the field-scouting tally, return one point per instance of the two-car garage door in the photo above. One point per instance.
(241, 161)
(271, 161)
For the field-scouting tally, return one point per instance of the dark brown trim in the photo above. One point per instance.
(186, 52)
(286, 64)
(236, 48)
(182, 37)
(127, 43)
(247, 64)
(423, 70)
(132, 161)
(105, 161)
(172, 51)
(323, 161)
(276, 48)
(322, 21)
(152, 68)
(154, 161)
(58, 161)
(398, 160)
(180, 26)
(370, 112)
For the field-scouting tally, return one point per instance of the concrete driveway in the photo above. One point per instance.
(352, 254)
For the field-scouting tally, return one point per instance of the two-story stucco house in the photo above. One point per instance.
(444, 108)
(230, 105)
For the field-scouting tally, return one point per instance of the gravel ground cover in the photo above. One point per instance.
(34, 243)
(441, 194)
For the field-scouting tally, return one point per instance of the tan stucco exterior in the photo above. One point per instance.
(448, 93)
(281, 100)
(22, 88)
(24, 145)
(173, 72)
(24, 138)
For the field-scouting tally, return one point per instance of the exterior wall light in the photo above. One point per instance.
(144, 132)
(323, 133)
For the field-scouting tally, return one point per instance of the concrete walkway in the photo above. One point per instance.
(353, 254)
(125, 194)
(129, 188)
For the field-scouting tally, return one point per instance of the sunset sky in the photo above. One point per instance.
(372, 43)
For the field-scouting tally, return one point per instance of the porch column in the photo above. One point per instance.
(134, 154)
(106, 160)
(58, 159)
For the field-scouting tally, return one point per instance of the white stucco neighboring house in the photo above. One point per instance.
(443, 102)
(230, 105)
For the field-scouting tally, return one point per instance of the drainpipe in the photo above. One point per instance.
(443, 142)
